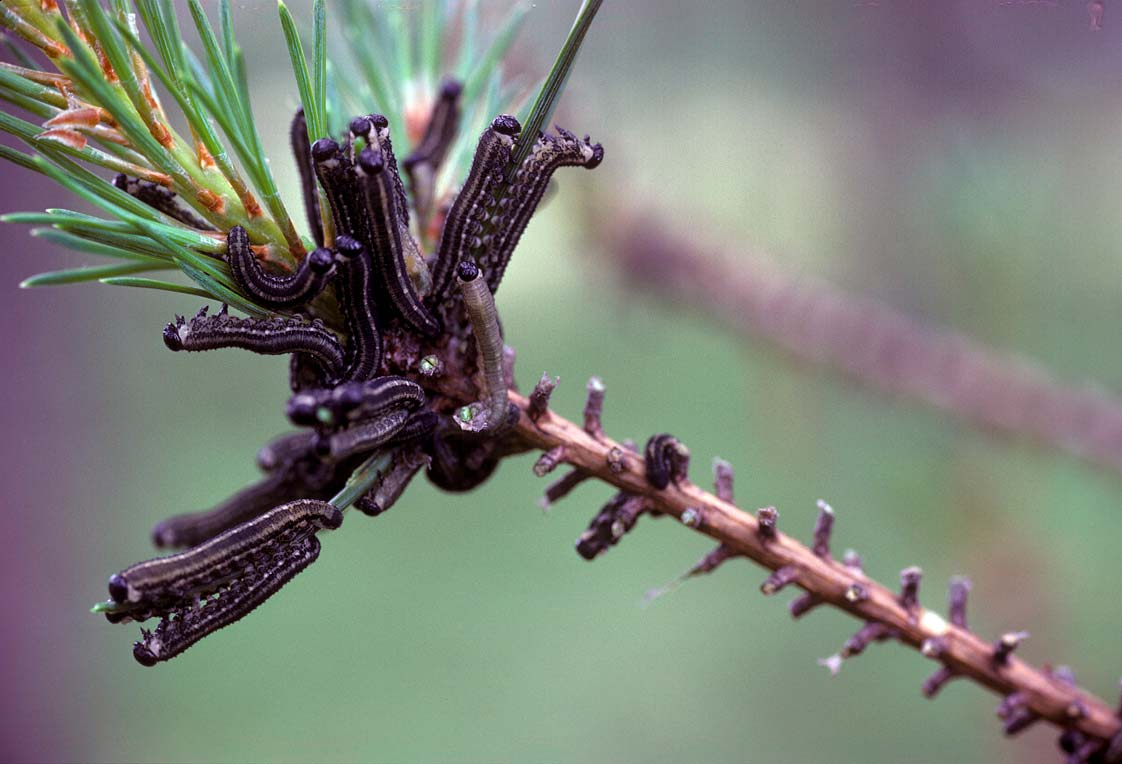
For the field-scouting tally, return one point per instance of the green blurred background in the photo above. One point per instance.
(956, 160)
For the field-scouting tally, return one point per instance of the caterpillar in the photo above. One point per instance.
(188, 622)
(353, 287)
(667, 459)
(364, 436)
(165, 583)
(609, 525)
(392, 482)
(527, 188)
(352, 401)
(495, 412)
(271, 290)
(335, 172)
(302, 153)
(472, 207)
(295, 472)
(425, 160)
(163, 200)
(388, 229)
(267, 336)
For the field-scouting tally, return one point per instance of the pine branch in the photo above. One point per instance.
(870, 343)
(1030, 693)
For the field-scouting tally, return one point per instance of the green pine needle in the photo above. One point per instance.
(400, 54)
(92, 273)
(319, 66)
(312, 109)
(554, 84)
(93, 246)
(433, 23)
(226, 27)
(162, 286)
(86, 72)
(94, 190)
(363, 478)
(26, 161)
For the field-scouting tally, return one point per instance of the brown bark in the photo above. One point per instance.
(955, 647)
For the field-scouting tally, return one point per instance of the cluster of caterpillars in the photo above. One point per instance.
(351, 399)
(666, 462)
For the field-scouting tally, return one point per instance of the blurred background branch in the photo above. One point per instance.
(871, 344)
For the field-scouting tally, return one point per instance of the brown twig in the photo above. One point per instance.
(874, 345)
(885, 613)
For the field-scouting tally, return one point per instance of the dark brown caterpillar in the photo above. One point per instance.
(190, 622)
(441, 129)
(302, 154)
(392, 482)
(336, 176)
(472, 209)
(389, 234)
(364, 436)
(610, 524)
(268, 336)
(527, 188)
(375, 130)
(352, 401)
(272, 290)
(667, 459)
(167, 582)
(353, 288)
(190, 529)
(300, 474)
(162, 199)
(249, 546)
(423, 163)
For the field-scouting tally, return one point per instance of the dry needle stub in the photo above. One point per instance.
(933, 623)
(692, 517)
